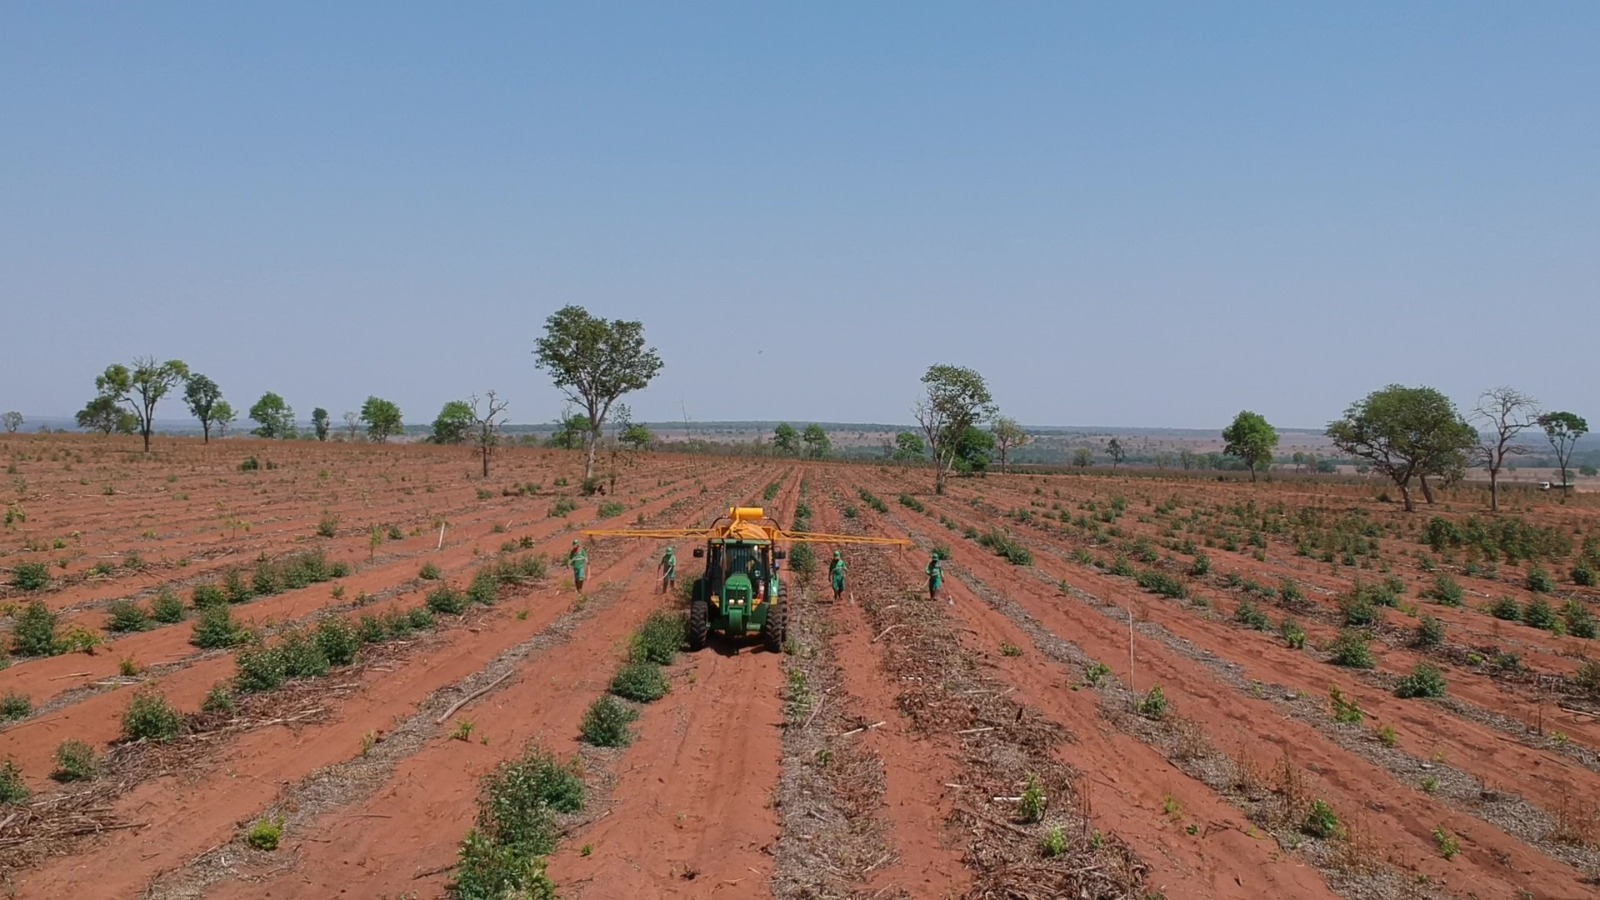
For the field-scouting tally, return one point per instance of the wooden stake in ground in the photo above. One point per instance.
(1131, 687)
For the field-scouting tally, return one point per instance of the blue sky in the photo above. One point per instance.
(1121, 214)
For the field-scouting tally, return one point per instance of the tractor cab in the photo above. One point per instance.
(740, 590)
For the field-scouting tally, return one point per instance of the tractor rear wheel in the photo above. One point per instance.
(699, 617)
(776, 628)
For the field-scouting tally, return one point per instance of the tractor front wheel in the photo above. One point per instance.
(699, 618)
(776, 628)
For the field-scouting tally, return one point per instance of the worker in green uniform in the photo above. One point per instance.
(935, 578)
(669, 571)
(578, 559)
(837, 571)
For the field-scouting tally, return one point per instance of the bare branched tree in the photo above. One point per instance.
(486, 421)
(352, 424)
(1506, 412)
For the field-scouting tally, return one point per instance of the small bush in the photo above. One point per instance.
(430, 572)
(126, 616)
(34, 632)
(1539, 614)
(641, 681)
(1359, 611)
(260, 669)
(912, 503)
(150, 717)
(1344, 710)
(30, 577)
(606, 722)
(1505, 609)
(338, 641)
(302, 655)
(1351, 651)
(1430, 633)
(1293, 634)
(611, 509)
(1321, 821)
(74, 762)
(1158, 582)
(1201, 565)
(218, 700)
(250, 464)
(491, 871)
(166, 608)
(1289, 593)
(1249, 615)
(216, 630)
(1426, 680)
(328, 525)
(209, 595)
(1003, 545)
(1539, 580)
(1579, 620)
(562, 508)
(265, 835)
(447, 600)
(419, 618)
(1448, 845)
(1446, 592)
(14, 706)
(484, 589)
(1153, 705)
(235, 589)
(1054, 843)
(659, 639)
(1032, 805)
(13, 790)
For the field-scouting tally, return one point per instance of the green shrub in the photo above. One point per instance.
(13, 790)
(659, 639)
(14, 706)
(562, 507)
(1583, 574)
(521, 569)
(166, 608)
(1351, 651)
(1539, 580)
(328, 525)
(209, 595)
(34, 632)
(234, 588)
(337, 640)
(1430, 633)
(1345, 710)
(446, 600)
(250, 464)
(1032, 805)
(1289, 594)
(1293, 634)
(266, 580)
(871, 501)
(430, 572)
(1539, 614)
(1249, 615)
(1003, 545)
(1054, 843)
(216, 630)
(1588, 677)
(150, 717)
(1426, 680)
(1321, 821)
(420, 618)
(1446, 591)
(218, 700)
(265, 834)
(611, 509)
(302, 655)
(30, 576)
(74, 762)
(1201, 565)
(606, 722)
(126, 616)
(1506, 609)
(491, 871)
(1153, 705)
(641, 681)
(1158, 582)
(1580, 621)
(260, 669)
(912, 503)
(1359, 611)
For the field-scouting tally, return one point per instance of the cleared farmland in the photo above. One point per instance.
(1142, 687)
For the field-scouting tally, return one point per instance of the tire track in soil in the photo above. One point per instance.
(1545, 819)
(203, 811)
(995, 745)
(697, 783)
(402, 838)
(1345, 777)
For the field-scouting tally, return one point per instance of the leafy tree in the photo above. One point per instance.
(142, 387)
(1115, 451)
(572, 430)
(1588, 471)
(974, 449)
(636, 436)
(786, 439)
(816, 441)
(595, 361)
(1563, 429)
(1251, 439)
(486, 424)
(1083, 456)
(1008, 436)
(382, 418)
(13, 421)
(956, 398)
(319, 423)
(105, 415)
(202, 395)
(908, 447)
(1405, 433)
(274, 418)
(454, 423)
(1507, 412)
(223, 416)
